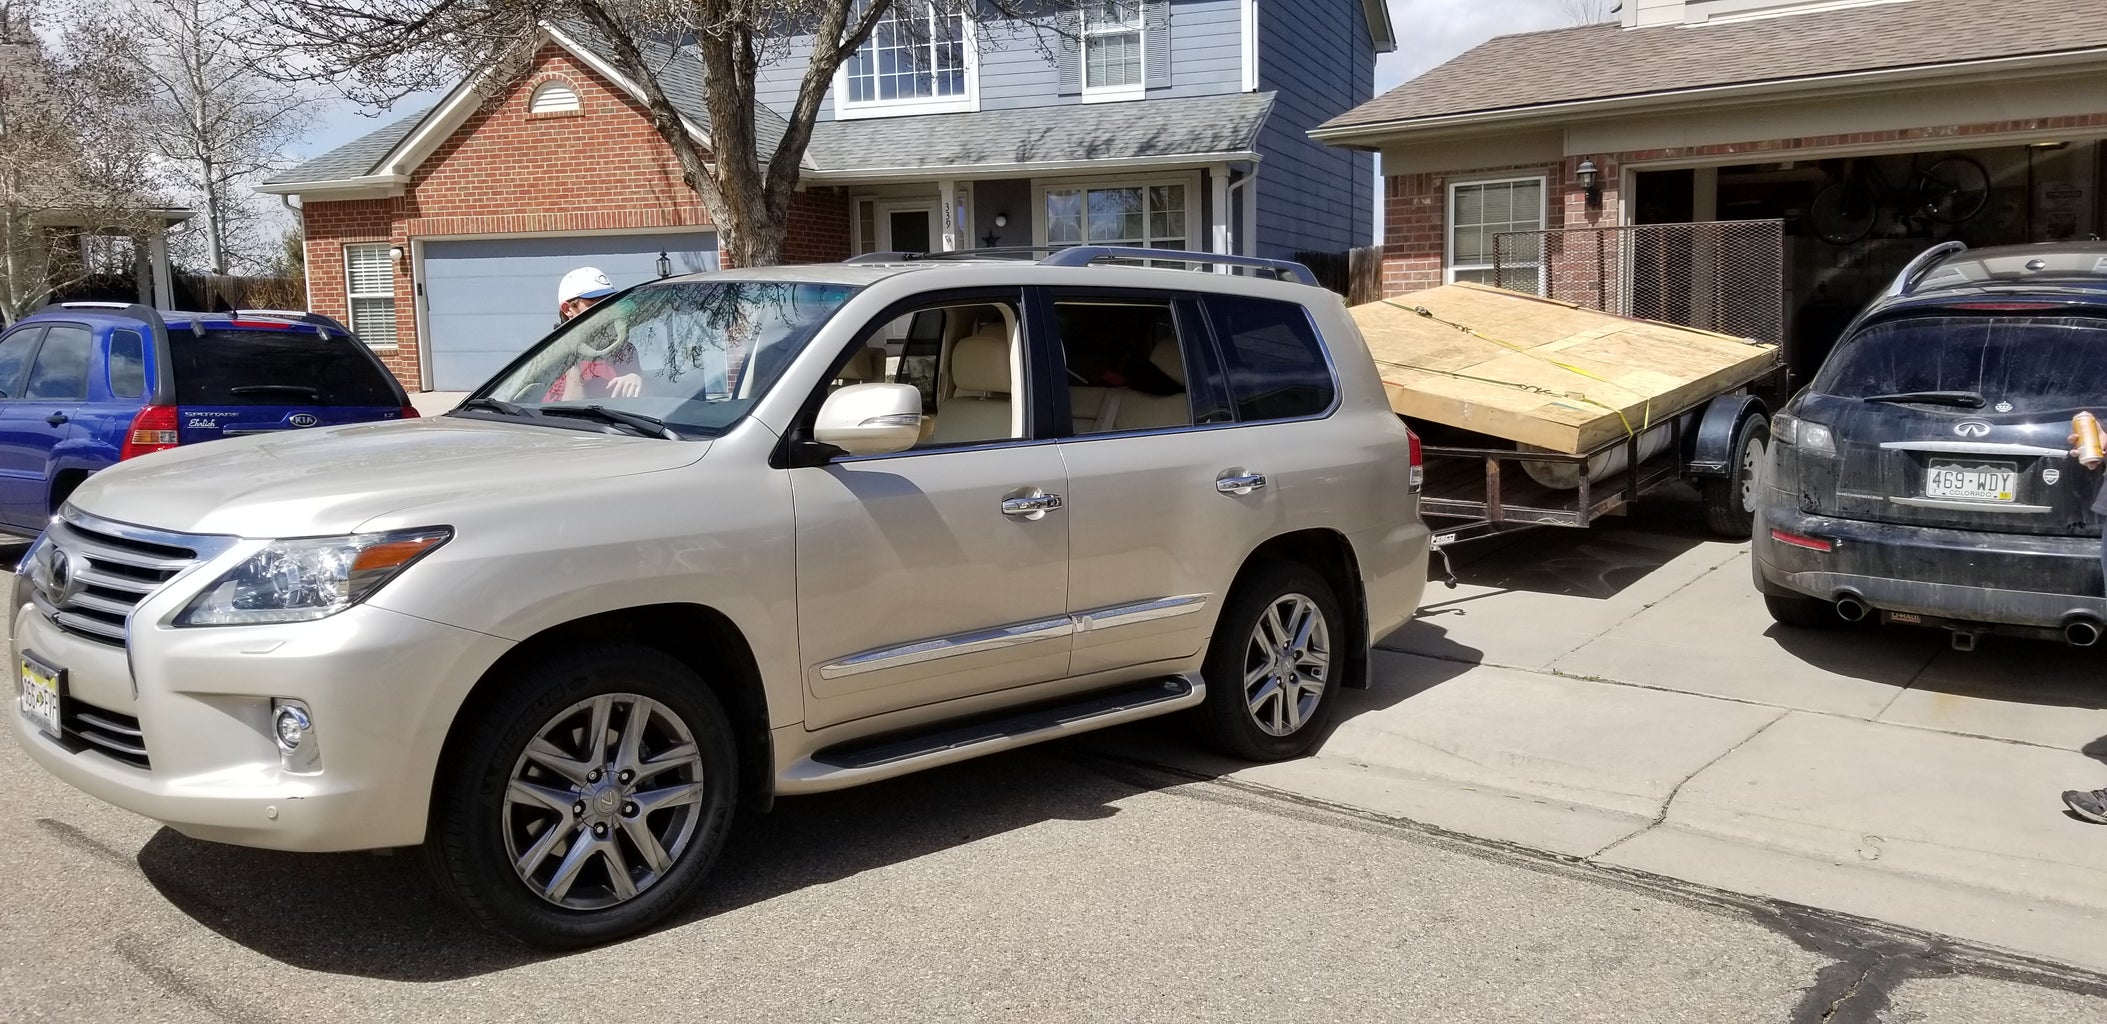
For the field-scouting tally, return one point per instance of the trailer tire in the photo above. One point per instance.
(1730, 500)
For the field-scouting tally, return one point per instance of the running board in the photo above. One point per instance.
(898, 754)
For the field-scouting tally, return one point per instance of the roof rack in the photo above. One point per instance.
(1921, 267)
(1085, 255)
(295, 315)
(137, 311)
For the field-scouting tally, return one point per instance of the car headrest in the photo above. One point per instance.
(981, 362)
(1166, 357)
(868, 364)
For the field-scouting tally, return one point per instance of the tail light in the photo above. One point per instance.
(1419, 462)
(1799, 541)
(409, 412)
(153, 430)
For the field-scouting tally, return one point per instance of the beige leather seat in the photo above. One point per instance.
(979, 406)
(1140, 411)
(866, 366)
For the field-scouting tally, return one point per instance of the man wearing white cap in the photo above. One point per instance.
(611, 366)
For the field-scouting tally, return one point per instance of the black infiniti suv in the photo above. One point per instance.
(1924, 476)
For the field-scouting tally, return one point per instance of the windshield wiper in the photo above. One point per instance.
(502, 408)
(646, 425)
(1964, 399)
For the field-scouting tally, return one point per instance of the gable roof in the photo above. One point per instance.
(1513, 74)
(355, 159)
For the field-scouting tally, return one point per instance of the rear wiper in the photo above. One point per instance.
(250, 389)
(646, 425)
(492, 405)
(1964, 399)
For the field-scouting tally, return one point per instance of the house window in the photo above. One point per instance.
(1147, 215)
(369, 280)
(554, 96)
(918, 60)
(1112, 54)
(1481, 210)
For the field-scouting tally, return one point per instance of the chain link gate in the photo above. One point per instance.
(1725, 276)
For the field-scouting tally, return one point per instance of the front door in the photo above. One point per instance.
(922, 576)
(907, 227)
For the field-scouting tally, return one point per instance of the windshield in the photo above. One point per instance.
(267, 367)
(2017, 364)
(693, 354)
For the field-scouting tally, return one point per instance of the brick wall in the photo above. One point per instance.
(505, 170)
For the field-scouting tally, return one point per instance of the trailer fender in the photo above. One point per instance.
(1711, 447)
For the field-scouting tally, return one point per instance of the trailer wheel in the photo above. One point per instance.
(1730, 501)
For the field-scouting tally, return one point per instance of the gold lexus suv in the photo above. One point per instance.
(727, 537)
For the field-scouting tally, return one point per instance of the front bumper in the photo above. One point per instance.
(382, 688)
(1960, 576)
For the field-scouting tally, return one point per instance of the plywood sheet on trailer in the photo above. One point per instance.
(1544, 372)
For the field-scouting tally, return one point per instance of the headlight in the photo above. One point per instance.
(310, 578)
(1812, 438)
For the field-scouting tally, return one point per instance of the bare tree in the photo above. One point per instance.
(376, 51)
(1588, 12)
(71, 173)
(218, 120)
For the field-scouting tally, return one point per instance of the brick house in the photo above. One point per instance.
(440, 238)
(1707, 111)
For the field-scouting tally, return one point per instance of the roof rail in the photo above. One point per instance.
(1926, 261)
(1085, 255)
(142, 313)
(296, 315)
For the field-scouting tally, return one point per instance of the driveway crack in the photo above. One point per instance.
(1677, 789)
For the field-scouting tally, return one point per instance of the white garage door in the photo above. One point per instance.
(486, 301)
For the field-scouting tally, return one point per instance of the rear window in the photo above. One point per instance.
(250, 367)
(2032, 363)
(1277, 368)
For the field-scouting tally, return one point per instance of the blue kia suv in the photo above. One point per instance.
(86, 384)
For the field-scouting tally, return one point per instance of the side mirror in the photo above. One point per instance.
(871, 419)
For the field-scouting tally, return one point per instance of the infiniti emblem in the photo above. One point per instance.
(304, 419)
(1972, 428)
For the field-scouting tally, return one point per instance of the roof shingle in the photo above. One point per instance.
(1609, 61)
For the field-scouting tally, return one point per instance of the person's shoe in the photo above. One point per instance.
(2090, 806)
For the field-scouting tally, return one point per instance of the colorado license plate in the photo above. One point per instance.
(1989, 482)
(40, 694)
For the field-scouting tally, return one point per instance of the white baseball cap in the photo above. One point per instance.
(584, 283)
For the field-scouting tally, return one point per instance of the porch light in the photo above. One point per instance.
(665, 264)
(1590, 183)
(395, 253)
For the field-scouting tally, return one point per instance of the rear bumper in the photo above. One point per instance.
(1957, 575)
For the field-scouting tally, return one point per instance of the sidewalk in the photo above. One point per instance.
(1620, 696)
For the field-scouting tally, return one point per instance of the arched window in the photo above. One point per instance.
(554, 96)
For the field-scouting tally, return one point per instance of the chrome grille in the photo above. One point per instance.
(88, 574)
(103, 731)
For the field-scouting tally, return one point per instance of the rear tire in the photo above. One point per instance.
(1730, 502)
(1275, 665)
(1801, 612)
(589, 802)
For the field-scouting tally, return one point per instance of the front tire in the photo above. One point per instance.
(591, 801)
(1275, 664)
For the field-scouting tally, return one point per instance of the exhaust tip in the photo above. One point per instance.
(1852, 608)
(2082, 632)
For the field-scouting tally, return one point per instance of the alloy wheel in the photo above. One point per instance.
(1287, 664)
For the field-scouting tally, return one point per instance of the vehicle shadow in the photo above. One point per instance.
(1597, 563)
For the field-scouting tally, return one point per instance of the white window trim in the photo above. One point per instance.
(352, 295)
(1250, 48)
(1191, 181)
(849, 110)
(1116, 93)
(1448, 230)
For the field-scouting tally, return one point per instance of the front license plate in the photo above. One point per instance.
(40, 694)
(1971, 481)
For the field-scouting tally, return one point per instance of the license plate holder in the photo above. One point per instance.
(1992, 483)
(41, 686)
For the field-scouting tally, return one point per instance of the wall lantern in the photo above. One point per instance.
(992, 238)
(1591, 183)
(665, 264)
(395, 253)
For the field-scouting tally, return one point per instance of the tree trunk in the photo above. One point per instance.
(215, 241)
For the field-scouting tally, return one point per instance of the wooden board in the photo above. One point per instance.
(1543, 372)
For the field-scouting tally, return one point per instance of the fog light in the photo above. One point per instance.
(292, 726)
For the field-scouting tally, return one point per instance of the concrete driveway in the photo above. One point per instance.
(1619, 696)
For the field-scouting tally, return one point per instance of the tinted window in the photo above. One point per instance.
(1276, 364)
(262, 367)
(14, 358)
(2034, 363)
(127, 365)
(61, 368)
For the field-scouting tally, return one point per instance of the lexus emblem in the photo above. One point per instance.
(1972, 428)
(304, 419)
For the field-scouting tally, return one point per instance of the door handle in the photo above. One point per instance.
(58, 419)
(1237, 481)
(1031, 506)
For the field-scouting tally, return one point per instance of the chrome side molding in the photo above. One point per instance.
(1016, 634)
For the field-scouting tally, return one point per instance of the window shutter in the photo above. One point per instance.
(1156, 43)
(1071, 53)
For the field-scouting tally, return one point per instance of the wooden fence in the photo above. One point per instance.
(1356, 273)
